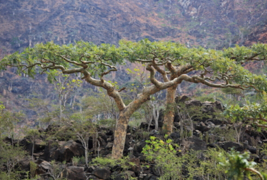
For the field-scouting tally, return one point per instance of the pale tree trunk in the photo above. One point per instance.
(121, 127)
(170, 110)
(120, 134)
(156, 115)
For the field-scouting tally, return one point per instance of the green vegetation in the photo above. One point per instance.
(219, 69)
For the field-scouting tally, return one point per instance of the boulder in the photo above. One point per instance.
(202, 127)
(102, 173)
(43, 167)
(74, 173)
(229, 145)
(138, 148)
(67, 150)
(194, 143)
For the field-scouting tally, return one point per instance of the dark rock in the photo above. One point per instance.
(202, 127)
(194, 143)
(175, 135)
(102, 173)
(24, 165)
(151, 177)
(216, 121)
(161, 118)
(212, 145)
(67, 150)
(229, 145)
(89, 169)
(182, 99)
(155, 170)
(50, 150)
(43, 167)
(74, 173)
(118, 176)
(143, 125)
(197, 133)
(252, 149)
(138, 148)
(193, 103)
(109, 132)
(137, 166)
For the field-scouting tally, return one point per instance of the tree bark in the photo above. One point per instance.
(125, 114)
(120, 136)
(170, 110)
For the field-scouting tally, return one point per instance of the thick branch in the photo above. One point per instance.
(109, 87)
(171, 67)
(162, 72)
(196, 79)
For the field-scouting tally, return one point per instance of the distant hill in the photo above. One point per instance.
(210, 23)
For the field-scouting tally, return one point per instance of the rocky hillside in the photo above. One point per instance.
(57, 153)
(207, 23)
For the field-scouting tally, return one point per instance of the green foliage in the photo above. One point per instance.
(124, 162)
(75, 161)
(33, 167)
(164, 156)
(38, 57)
(171, 163)
(10, 155)
(8, 121)
(256, 112)
(237, 164)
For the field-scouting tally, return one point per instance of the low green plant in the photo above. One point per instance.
(33, 167)
(237, 165)
(75, 161)
(163, 154)
(124, 162)
(170, 163)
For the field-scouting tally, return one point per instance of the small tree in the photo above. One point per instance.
(256, 113)
(82, 129)
(10, 153)
(32, 135)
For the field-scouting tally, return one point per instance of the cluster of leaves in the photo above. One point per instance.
(163, 154)
(10, 152)
(38, 59)
(124, 162)
(256, 112)
(237, 165)
(213, 163)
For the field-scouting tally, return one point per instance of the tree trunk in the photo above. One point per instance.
(120, 136)
(121, 127)
(33, 143)
(86, 154)
(170, 109)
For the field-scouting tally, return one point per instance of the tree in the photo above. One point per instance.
(214, 68)
(256, 112)
(10, 152)
(32, 135)
(94, 62)
(82, 129)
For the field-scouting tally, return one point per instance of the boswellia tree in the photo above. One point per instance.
(214, 68)
(172, 60)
